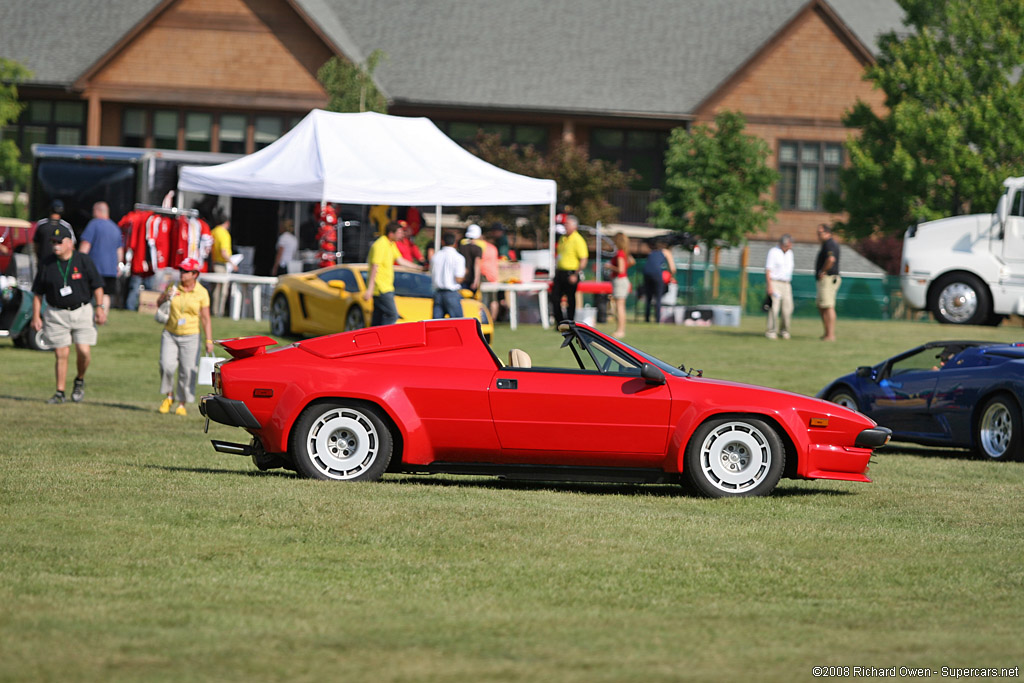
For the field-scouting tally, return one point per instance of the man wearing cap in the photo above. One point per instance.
(472, 252)
(380, 282)
(44, 230)
(179, 341)
(70, 283)
(572, 260)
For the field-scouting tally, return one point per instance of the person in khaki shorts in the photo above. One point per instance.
(826, 270)
(69, 282)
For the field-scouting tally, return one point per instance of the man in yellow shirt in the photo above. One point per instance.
(572, 260)
(380, 283)
(220, 257)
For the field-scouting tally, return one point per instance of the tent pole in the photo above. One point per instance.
(437, 228)
(551, 240)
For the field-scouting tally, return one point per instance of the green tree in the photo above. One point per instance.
(350, 87)
(584, 184)
(12, 171)
(951, 130)
(717, 182)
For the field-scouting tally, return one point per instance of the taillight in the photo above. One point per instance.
(216, 379)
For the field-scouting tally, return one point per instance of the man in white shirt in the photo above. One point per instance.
(778, 275)
(446, 271)
(287, 243)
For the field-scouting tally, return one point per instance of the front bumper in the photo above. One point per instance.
(873, 437)
(227, 411)
(915, 290)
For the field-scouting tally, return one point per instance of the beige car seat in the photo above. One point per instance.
(518, 358)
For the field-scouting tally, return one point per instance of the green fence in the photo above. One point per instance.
(866, 297)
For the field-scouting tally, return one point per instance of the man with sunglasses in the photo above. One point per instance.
(70, 282)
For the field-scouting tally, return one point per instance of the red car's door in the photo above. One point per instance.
(580, 417)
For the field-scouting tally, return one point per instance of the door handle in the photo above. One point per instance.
(508, 383)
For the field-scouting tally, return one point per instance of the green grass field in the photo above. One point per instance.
(131, 551)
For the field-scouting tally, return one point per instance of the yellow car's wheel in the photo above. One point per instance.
(280, 317)
(354, 319)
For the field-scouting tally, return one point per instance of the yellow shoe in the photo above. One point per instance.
(180, 411)
(165, 407)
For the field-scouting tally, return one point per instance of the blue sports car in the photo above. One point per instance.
(965, 394)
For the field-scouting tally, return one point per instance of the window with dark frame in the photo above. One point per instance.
(807, 171)
(640, 150)
(465, 133)
(48, 122)
(159, 128)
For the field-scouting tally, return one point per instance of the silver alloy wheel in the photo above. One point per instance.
(342, 443)
(996, 430)
(958, 302)
(735, 457)
(844, 399)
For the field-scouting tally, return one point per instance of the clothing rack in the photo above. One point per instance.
(173, 211)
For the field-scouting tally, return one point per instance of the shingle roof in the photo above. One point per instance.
(59, 39)
(640, 58)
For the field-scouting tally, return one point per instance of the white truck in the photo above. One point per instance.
(968, 270)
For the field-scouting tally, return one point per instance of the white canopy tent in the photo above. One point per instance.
(370, 158)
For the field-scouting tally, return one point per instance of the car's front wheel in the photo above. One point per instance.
(341, 441)
(280, 317)
(997, 435)
(961, 299)
(733, 457)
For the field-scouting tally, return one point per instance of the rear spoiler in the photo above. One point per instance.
(245, 347)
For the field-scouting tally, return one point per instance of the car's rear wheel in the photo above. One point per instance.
(997, 435)
(844, 397)
(341, 441)
(733, 457)
(354, 319)
(280, 317)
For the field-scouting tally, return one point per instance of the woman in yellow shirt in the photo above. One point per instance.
(179, 341)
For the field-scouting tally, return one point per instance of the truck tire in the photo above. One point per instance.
(961, 299)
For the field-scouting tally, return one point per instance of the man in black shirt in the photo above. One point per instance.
(45, 228)
(70, 283)
(826, 270)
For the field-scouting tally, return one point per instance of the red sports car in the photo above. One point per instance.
(432, 397)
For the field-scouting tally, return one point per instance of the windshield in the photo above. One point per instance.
(596, 353)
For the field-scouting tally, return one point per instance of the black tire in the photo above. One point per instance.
(997, 431)
(355, 319)
(30, 339)
(961, 299)
(341, 441)
(845, 397)
(734, 457)
(280, 317)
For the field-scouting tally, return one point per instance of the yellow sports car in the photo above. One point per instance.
(330, 300)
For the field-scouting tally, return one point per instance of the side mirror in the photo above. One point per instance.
(866, 371)
(652, 374)
(337, 284)
(1003, 209)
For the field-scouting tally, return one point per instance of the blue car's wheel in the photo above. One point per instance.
(843, 397)
(734, 457)
(997, 436)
